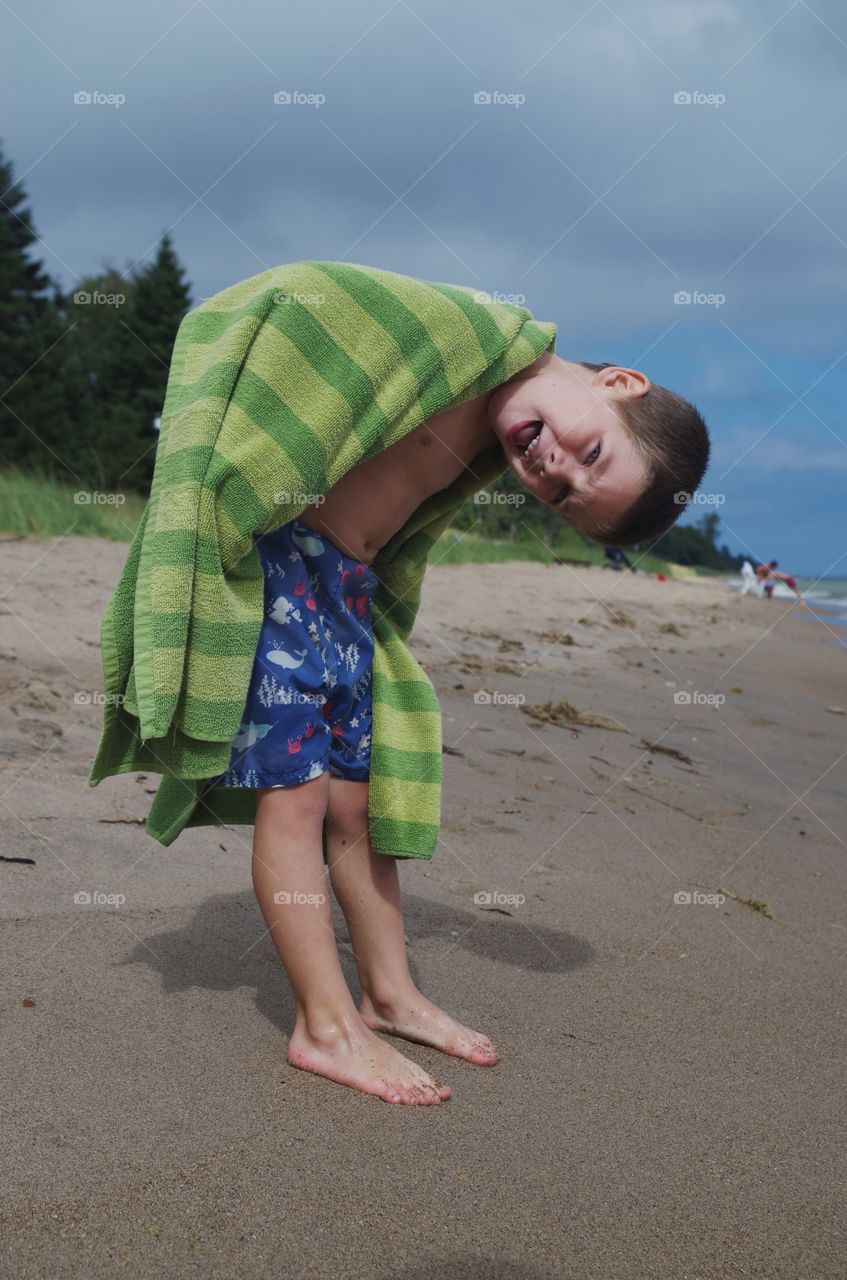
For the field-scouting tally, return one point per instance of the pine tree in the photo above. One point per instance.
(159, 297)
(108, 442)
(36, 396)
(124, 347)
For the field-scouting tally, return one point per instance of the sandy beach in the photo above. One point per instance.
(639, 896)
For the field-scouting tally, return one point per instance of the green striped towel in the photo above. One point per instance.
(277, 387)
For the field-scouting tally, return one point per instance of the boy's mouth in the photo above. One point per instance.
(523, 437)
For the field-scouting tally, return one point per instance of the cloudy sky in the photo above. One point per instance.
(627, 154)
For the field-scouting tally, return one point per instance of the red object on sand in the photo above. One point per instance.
(661, 577)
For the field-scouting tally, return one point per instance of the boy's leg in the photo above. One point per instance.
(368, 888)
(330, 1037)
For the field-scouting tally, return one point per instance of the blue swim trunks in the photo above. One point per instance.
(308, 707)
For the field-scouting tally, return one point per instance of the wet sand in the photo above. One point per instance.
(670, 1098)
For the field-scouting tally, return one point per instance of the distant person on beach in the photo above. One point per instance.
(768, 576)
(599, 445)
(616, 559)
(749, 581)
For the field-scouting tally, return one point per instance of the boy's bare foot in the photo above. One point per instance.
(351, 1054)
(414, 1017)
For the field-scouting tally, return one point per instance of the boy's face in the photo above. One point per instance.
(576, 455)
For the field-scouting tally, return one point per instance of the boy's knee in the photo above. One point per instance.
(302, 805)
(347, 811)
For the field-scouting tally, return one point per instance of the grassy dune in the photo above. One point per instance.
(46, 507)
(455, 547)
(40, 505)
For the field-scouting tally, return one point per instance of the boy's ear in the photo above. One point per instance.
(630, 382)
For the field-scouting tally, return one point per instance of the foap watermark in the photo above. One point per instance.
(696, 98)
(485, 299)
(499, 498)
(493, 697)
(299, 899)
(296, 98)
(84, 298)
(694, 898)
(494, 898)
(496, 98)
(94, 498)
(95, 698)
(98, 899)
(697, 298)
(95, 98)
(283, 498)
(281, 298)
(298, 698)
(694, 698)
(684, 498)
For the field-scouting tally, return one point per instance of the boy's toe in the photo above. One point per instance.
(486, 1051)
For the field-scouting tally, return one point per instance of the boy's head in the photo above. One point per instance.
(618, 456)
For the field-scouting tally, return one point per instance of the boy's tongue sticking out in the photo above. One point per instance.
(523, 434)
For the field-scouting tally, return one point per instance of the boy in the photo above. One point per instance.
(600, 444)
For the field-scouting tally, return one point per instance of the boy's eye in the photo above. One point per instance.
(593, 455)
(561, 495)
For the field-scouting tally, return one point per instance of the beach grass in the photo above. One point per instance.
(43, 506)
(38, 504)
(456, 547)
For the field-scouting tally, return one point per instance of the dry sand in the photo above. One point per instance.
(669, 1097)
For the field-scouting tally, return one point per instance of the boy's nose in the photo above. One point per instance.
(554, 469)
(544, 461)
(552, 464)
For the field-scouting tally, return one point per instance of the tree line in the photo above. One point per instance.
(83, 373)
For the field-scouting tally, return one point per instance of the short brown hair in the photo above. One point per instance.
(672, 440)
